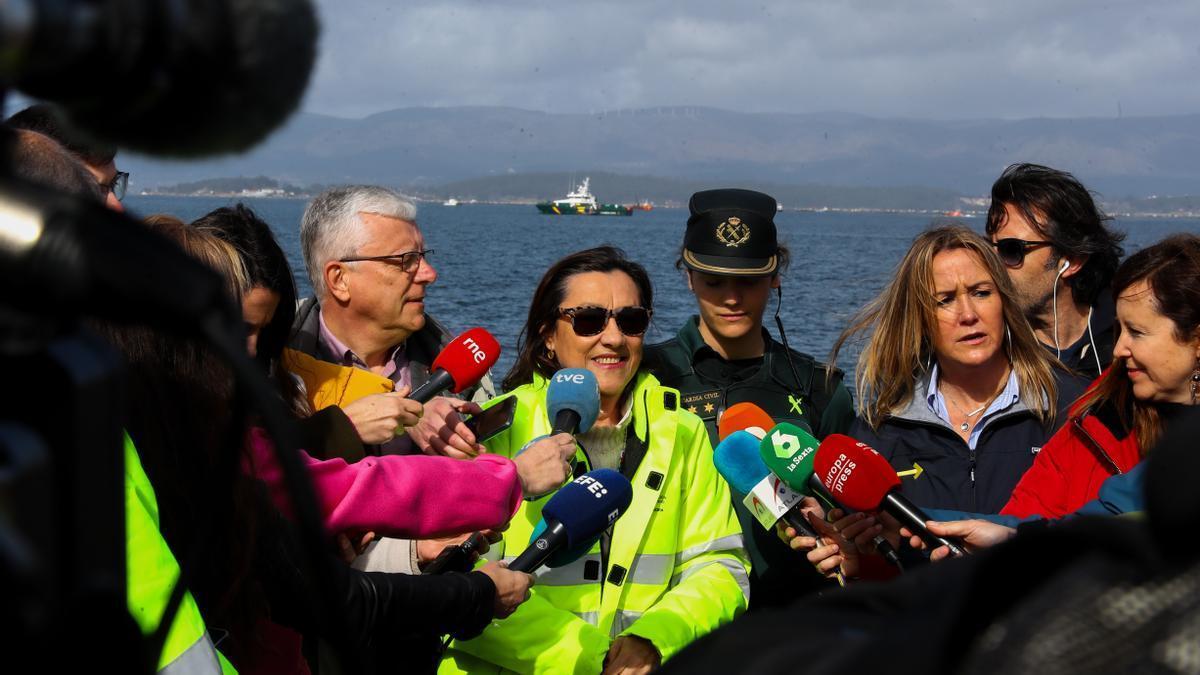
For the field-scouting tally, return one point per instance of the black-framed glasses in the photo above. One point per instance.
(589, 321)
(1012, 252)
(407, 261)
(118, 185)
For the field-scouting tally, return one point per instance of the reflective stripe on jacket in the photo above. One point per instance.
(675, 569)
(152, 570)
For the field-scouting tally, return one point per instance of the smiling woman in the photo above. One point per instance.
(672, 568)
(952, 377)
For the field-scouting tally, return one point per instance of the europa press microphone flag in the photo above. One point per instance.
(790, 454)
(862, 479)
(578, 513)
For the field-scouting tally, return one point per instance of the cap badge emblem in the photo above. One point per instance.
(733, 232)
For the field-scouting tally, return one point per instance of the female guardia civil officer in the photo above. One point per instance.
(724, 356)
(672, 568)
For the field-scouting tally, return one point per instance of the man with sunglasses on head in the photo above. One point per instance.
(1061, 256)
(733, 262)
(99, 159)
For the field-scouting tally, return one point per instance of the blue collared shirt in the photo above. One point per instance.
(937, 403)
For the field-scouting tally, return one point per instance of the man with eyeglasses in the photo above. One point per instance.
(370, 271)
(1061, 257)
(99, 159)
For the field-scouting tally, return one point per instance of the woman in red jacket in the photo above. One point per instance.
(1155, 371)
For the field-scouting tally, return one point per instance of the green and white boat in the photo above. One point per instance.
(581, 202)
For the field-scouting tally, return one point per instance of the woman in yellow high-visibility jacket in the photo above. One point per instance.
(673, 568)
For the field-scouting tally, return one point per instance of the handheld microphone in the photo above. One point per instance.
(572, 401)
(863, 480)
(744, 416)
(563, 556)
(790, 453)
(579, 512)
(176, 79)
(462, 363)
(766, 497)
(456, 558)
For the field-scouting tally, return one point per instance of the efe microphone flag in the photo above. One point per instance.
(579, 512)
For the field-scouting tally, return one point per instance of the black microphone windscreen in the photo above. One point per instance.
(177, 79)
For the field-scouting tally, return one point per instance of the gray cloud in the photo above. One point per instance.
(919, 58)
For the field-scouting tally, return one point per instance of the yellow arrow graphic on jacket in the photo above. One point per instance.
(915, 472)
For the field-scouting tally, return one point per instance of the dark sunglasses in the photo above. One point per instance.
(407, 261)
(118, 185)
(1012, 252)
(588, 321)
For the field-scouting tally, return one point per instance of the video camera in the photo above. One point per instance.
(174, 79)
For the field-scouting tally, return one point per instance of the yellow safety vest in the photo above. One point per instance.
(152, 571)
(676, 566)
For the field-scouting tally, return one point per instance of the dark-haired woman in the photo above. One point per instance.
(672, 568)
(1155, 374)
(734, 262)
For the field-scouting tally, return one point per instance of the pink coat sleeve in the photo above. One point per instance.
(410, 496)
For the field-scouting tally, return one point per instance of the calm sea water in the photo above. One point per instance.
(489, 259)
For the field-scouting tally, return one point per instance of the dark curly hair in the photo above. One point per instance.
(1063, 211)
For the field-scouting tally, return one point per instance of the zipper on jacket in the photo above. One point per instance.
(974, 497)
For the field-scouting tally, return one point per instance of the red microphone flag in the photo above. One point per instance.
(856, 475)
(468, 357)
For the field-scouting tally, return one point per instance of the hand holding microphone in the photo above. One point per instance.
(545, 464)
(576, 515)
(512, 587)
(790, 452)
(379, 418)
(862, 479)
(976, 534)
(461, 364)
(572, 406)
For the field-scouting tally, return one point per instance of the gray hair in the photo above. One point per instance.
(331, 229)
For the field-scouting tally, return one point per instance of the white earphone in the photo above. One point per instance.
(1062, 268)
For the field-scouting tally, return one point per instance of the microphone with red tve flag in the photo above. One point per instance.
(462, 363)
(744, 417)
(862, 479)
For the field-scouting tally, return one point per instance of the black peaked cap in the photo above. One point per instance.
(731, 232)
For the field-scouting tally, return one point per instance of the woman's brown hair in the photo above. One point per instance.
(1171, 268)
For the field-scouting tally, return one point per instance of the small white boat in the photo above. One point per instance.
(450, 202)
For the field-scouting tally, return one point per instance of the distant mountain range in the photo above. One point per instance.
(449, 151)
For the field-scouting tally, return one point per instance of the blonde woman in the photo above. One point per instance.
(953, 387)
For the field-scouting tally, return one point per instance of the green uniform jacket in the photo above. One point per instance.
(674, 568)
(818, 403)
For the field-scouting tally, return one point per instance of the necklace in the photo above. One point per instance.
(966, 424)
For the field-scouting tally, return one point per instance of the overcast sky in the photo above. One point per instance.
(889, 58)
